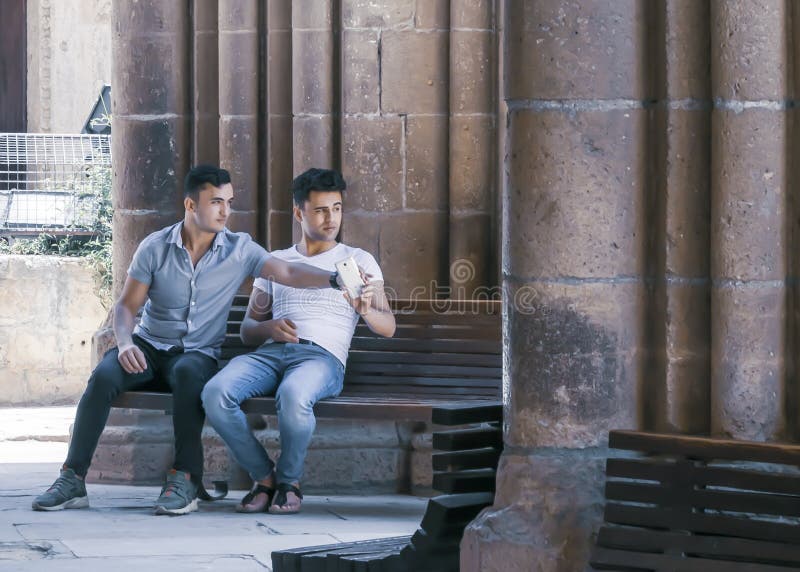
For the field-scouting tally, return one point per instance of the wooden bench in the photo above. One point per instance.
(443, 352)
(700, 504)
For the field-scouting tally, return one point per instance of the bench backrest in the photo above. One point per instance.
(691, 500)
(441, 350)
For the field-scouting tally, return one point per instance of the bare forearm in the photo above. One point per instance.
(296, 275)
(253, 332)
(123, 325)
(381, 322)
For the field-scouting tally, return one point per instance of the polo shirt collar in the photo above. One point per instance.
(176, 238)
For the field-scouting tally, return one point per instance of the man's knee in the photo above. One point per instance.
(190, 376)
(216, 397)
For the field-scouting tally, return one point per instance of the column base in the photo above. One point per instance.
(547, 510)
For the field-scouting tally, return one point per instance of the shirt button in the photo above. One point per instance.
(192, 302)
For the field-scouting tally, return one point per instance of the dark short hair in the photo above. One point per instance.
(316, 180)
(201, 175)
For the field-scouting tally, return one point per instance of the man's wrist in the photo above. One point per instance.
(332, 280)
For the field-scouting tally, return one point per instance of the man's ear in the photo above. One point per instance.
(298, 213)
(188, 203)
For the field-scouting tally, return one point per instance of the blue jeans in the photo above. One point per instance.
(299, 375)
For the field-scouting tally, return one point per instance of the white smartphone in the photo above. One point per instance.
(351, 277)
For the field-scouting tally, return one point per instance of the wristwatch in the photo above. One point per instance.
(334, 284)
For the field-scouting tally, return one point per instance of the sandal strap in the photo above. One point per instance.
(283, 488)
(259, 488)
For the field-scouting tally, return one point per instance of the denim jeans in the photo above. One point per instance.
(299, 375)
(182, 374)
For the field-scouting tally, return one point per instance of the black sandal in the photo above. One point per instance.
(248, 498)
(280, 498)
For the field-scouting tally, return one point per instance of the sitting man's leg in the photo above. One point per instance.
(246, 376)
(107, 381)
(186, 374)
(313, 374)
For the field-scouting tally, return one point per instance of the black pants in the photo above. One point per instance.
(182, 374)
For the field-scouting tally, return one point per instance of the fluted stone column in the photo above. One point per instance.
(472, 122)
(573, 274)
(205, 91)
(239, 108)
(278, 127)
(151, 107)
(679, 384)
(751, 359)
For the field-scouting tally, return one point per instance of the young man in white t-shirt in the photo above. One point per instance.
(303, 348)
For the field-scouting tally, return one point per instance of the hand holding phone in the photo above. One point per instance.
(351, 276)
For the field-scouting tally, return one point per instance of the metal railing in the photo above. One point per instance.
(52, 183)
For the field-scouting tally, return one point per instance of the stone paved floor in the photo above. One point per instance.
(119, 532)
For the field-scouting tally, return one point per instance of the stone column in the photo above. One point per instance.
(679, 384)
(575, 221)
(278, 124)
(472, 123)
(151, 109)
(205, 89)
(751, 213)
(239, 107)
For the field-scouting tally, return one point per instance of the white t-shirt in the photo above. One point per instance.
(320, 315)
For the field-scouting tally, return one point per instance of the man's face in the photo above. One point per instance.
(321, 215)
(212, 208)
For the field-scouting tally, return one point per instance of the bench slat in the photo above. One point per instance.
(427, 370)
(705, 448)
(405, 345)
(700, 523)
(467, 481)
(459, 439)
(644, 540)
(610, 559)
(427, 331)
(470, 459)
(443, 358)
(740, 478)
(756, 503)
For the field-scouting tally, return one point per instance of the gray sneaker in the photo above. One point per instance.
(179, 495)
(68, 491)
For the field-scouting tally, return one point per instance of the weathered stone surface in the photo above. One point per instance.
(49, 308)
(686, 193)
(576, 199)
(238, 70)
(688, 49)
(150, 159)
(748, 360)
(471, 72)
(578, 50)
(574, 358)
(427, 162)
(149, 75)
(205, 16)
(238, 15)
(239, 155)
(432, 14)
(476, 14)
(411, 255)
(414, 72)
(279, 163)
(279, 15)
(372, 162)
(377, 13)
(150, 17)
(313, 143)
(749, 200)
(205, 140)
(311, 14)
(312, 72)
(279, 230)
(743, 40)
(279, 72)
(471, 245)
(472, 160)
(245, 221)
(361, 229)
(360, 77)
(547, 507)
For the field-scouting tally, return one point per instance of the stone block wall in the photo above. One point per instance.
(49, 309)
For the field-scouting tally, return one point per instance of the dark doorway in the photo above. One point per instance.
(13, 67)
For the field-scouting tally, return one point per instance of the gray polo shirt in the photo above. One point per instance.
(187, 306)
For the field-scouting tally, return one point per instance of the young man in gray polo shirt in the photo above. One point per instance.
(185, 276)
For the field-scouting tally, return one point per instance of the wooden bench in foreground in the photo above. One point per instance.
(700, 504)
